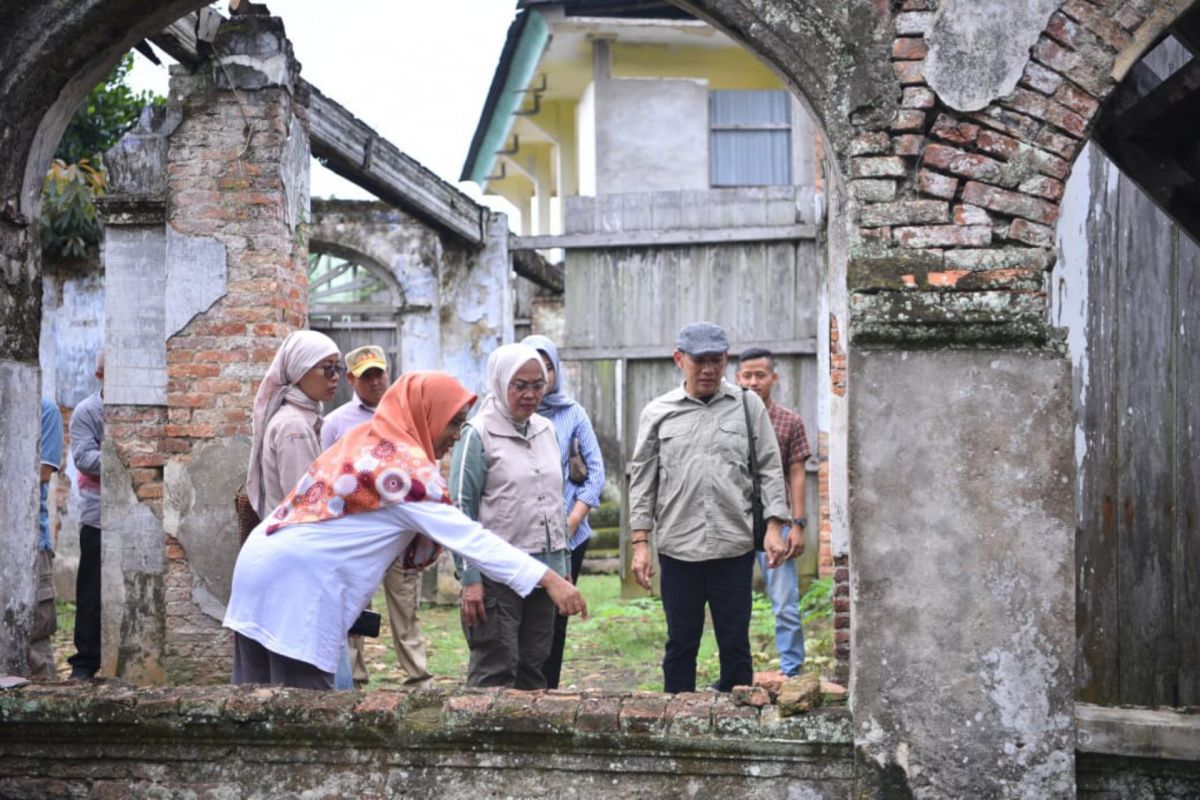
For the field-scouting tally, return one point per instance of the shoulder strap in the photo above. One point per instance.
(750, 437)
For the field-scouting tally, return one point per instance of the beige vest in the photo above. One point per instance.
(523, 494)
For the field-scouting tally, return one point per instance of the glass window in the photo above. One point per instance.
(751, 138)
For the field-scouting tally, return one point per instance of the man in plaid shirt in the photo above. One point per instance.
(756, 371)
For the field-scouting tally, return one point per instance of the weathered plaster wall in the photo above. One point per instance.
(961, 469)
(456, 301)
(651, 135)
(19, 443)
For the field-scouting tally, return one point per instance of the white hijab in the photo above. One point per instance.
(300, 352)
(502, 364)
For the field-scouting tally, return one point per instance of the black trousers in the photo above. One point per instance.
(723, 584)
(552, 669)
(87, 604)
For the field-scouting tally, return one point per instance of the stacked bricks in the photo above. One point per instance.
(225, 182)
(824, 519)
(841, 618)
(964, 203)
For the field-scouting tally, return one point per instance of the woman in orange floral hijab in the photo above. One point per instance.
(308, 570)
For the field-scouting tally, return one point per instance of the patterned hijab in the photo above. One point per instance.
(300, 352)
(385, 462)
(556, 398)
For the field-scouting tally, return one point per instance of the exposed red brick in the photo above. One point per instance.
(1129, 16)
(1057, 143)
(908, 119)
(944, 236)
(1042, 186)
(1035, 105)
(959, 162)
(909, 48)
(871, 143)
(944, 279)
(917, 97)
(1008, 148)
(952, 130)
(1097, 21)
(1053, 55)
(936, 184)
(1007, 202)
(1023, 230)
(908, 144)
(643, 713)
(1077, 100)
(598, 714)
(1063, 29)
(909, 72)
(965, 214)
(1008, 121)
(1041, 79)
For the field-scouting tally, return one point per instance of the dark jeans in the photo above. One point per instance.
(552, 669)
(86, 660)
(724, 585)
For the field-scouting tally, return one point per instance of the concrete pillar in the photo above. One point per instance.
(962, 554)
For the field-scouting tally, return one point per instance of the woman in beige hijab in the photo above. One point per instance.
(505, 472)
(287, 416)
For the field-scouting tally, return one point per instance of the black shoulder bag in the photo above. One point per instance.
(756, 502)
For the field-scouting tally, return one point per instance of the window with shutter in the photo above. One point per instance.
(751, 138)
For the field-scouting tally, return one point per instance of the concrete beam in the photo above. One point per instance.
(356, 152)
(531, 266)
(662, 238)
(780, 347)
(1137, 732)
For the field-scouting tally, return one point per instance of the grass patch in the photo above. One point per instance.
(619, 647)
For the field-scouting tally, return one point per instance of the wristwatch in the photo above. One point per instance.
(800, 522)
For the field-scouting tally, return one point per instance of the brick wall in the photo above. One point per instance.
(955, 210)
(110, 741)
(227, 186)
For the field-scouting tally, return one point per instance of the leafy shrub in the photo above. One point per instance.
(69, 224)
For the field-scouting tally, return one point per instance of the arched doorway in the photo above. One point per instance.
(355, 305)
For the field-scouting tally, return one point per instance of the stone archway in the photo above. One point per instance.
(949, 196)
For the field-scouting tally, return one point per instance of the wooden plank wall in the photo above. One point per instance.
(1138, 540)
(622, 300)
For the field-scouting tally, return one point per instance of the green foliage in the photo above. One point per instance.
(817, 602)
(605, 515)
(69, 223)
(109, 111)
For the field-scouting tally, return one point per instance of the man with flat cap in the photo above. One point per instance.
(367, 372)
(691, 486)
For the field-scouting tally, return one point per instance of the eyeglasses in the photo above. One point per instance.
(333, 370)
(520, 387)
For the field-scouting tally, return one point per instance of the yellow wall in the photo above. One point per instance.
(725, 68)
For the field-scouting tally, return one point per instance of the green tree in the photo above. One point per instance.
(69, 224)
(111, 108)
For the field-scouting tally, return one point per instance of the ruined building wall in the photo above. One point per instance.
(213, 260)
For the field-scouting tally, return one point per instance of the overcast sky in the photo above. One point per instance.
(417, 71)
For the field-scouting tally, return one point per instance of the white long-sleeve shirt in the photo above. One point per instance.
(297, 591)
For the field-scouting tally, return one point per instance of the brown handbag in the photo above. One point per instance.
(247, 518)
(577, 471)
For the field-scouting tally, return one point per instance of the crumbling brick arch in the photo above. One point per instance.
(920, 277)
